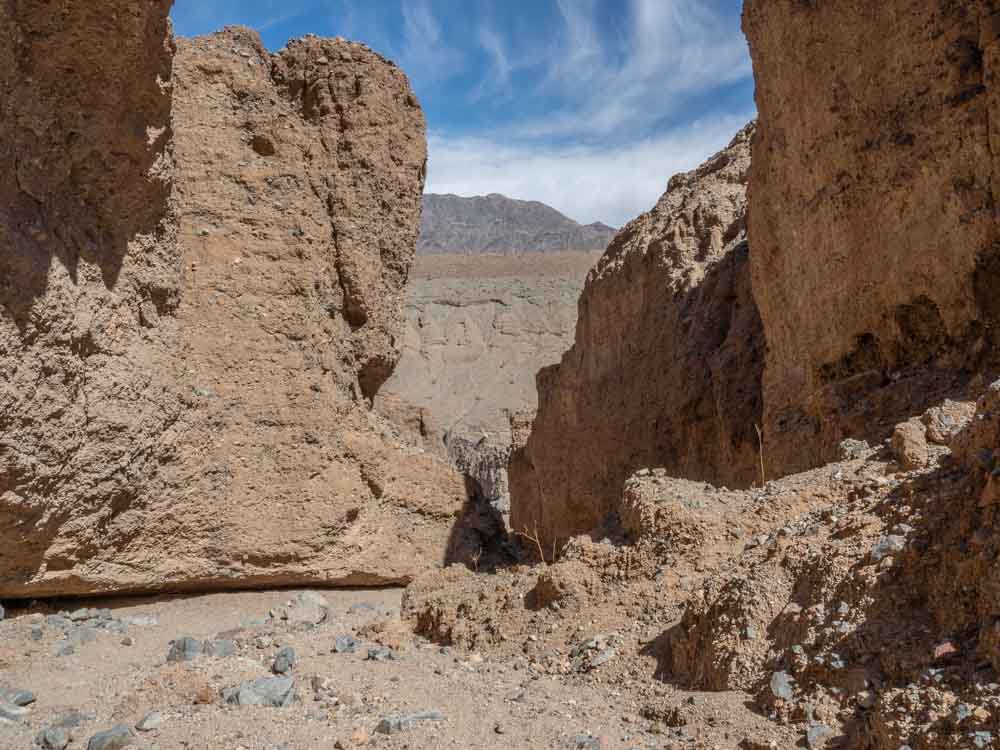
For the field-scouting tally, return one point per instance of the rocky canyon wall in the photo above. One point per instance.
(873, 262)
(665, 369)
(872, 214)
(202, 260)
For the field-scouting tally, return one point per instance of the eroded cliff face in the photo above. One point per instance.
(665, 370)
(202, 288)
(872, 213)
(478, 329)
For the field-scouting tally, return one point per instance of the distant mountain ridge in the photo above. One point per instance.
(497, 224)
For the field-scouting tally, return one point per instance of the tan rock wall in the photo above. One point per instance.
(872, 213)
(665, 369)
(202, 289)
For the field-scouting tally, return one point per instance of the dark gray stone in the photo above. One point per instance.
(22, 698)
(52, 738)
(276, 692)
(345, 644)
(397, 724)
(185, 649)
(284, 660)
(113, 739)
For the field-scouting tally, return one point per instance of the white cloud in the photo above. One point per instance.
(609, 83)
(613, 184)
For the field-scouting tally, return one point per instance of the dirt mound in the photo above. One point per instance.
(875, 243)
(202, 272)
(855, 603)
(665, 369)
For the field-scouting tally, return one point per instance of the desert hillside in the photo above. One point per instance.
(497, 224)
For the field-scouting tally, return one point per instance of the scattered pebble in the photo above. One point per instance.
(345, 644)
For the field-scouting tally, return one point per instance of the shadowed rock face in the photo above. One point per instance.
(665, 370)
(202, 264)
(872, 213)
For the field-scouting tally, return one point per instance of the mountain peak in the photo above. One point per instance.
(495, 223)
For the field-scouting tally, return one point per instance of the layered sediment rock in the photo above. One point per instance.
(666, 366)
(202, 274)
(477, 330)
(872, 213)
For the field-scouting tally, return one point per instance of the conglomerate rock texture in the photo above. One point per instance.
(202, 274)
(665, 369)
(872, 214)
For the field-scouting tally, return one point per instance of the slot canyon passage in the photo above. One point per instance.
(294, 457)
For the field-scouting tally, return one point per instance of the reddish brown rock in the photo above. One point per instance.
(202, 263)
(665, 369)
(872, 221)
(909, 445)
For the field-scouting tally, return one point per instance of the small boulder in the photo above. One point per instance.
(185, 649)
(113, 739)
(307, 609)
(52, 738)
(909, 445)
(276, 692)
(284, 660)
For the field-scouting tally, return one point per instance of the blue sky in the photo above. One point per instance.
(587, 105)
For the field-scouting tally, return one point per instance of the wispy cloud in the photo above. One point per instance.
(588, 183)
(427, 52)
(670, 49)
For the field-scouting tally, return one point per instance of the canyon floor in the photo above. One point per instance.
(475, 700)
(592, 651)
